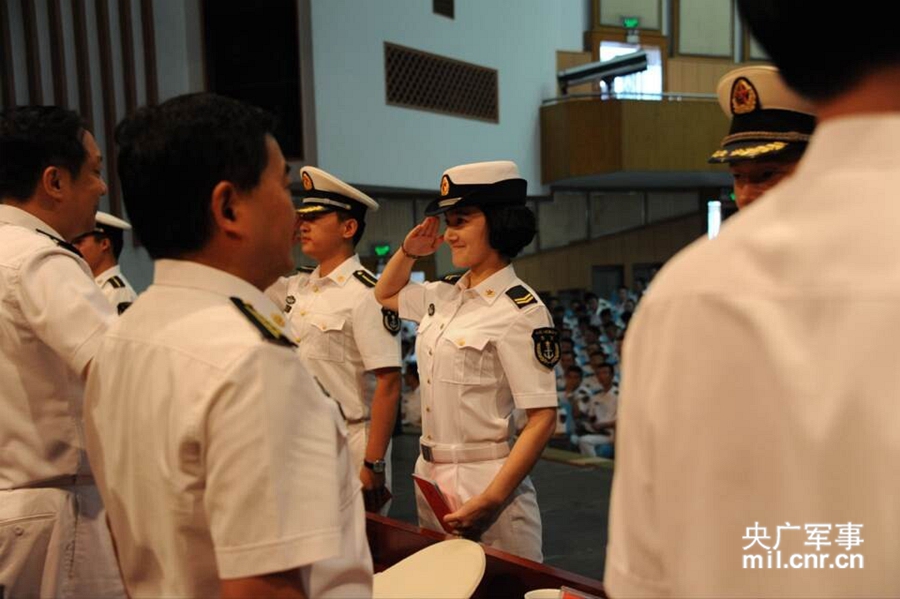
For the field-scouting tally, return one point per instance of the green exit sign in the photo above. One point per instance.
(631, 22)
(382, 250)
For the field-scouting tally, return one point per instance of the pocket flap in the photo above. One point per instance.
(471, 341)
(327, 322)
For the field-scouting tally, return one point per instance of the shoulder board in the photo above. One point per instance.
(452, 279)
(63, 244)
(116, 282)
(521, 296)
(365, 277)
(269, 331)
(122, 306)
(306, 269)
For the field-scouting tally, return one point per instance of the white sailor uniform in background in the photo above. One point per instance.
(116, 288)
(53, 536)
(232, 461)
(481, 352)
(343, 333)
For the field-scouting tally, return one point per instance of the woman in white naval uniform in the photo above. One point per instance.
(485, 345)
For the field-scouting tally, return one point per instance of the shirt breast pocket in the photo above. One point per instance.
(326, 337)
(466, 360)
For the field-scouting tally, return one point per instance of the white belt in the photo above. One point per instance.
(461, 454)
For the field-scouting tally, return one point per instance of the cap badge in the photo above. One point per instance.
(743, 96)
(307, 181)
(445, 186)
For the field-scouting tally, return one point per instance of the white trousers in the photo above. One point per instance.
(54, 542)
(517, 528)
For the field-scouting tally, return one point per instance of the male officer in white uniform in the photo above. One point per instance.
(225, 468)
(344, 333)
(101, 248)
(53, 536)
(770, 127)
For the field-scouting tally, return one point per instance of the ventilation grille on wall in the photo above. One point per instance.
(416, 79)
(443, 7)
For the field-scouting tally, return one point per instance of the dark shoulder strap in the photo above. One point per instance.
(269, 331)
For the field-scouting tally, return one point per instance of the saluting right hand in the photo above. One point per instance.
(424, 239)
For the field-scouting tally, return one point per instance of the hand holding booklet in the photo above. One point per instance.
(436, 499)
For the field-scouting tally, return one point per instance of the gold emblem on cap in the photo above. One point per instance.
(307, 181)
(743, 96)
(445, 185)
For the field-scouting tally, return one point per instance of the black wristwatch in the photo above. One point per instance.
(377, 466)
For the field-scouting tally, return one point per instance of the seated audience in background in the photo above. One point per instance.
(592, 381)
(573, 393)
(595, 422)
(225, 469)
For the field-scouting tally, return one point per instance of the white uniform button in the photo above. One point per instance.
(442, 326)
(315, 290)
(427, 409)
(460, 342)
(430, 353)
(19, 531)
(428, 381)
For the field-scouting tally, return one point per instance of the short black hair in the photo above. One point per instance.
(344, 216)
(814, 72)
(612, 369)
(33, 138)
(576, 369)
(171, 157)
(116, 239)
(510, 228)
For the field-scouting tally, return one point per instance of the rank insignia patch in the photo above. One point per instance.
(546, 346)
(521, 296)
(365, 277)
(430, 309)
(391, 321)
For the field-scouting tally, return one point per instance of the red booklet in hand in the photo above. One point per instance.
(435, 498)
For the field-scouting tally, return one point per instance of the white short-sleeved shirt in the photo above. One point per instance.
(342, 330)
(760, 387)
(52, 318)
(215, 452)
(476, 350)
(116, 288)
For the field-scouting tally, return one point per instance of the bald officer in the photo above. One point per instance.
(770, 127)
(53, 536)
(101, 248)
(345, 336)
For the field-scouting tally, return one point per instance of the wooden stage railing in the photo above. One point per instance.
(505, 575)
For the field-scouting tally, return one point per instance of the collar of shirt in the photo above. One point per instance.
(108, 274)
(340, 275)
(193, 275)
(17, 216)
(492, 287)
(863, 140)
